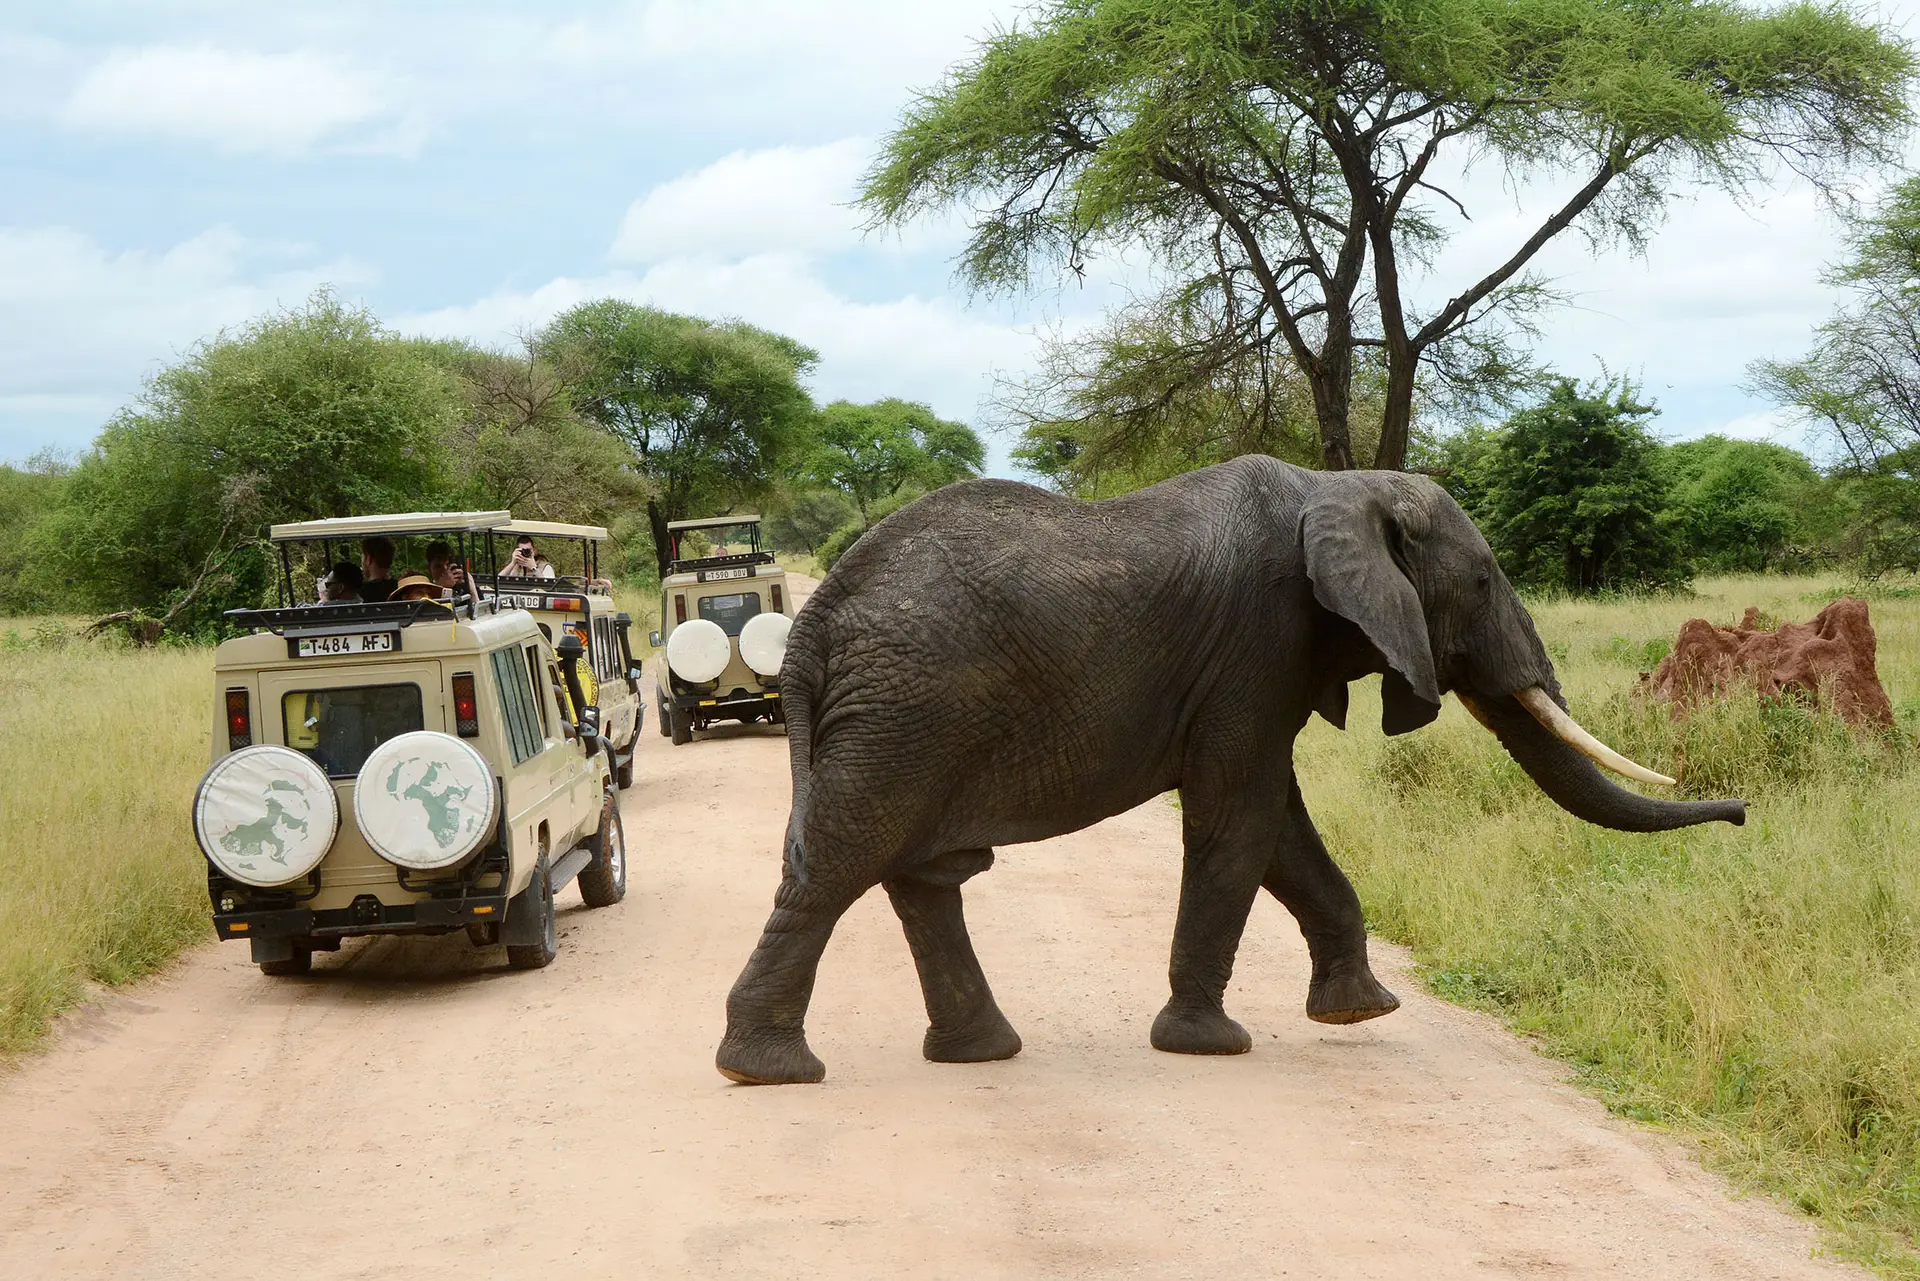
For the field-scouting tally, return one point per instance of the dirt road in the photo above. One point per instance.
(414, 1106)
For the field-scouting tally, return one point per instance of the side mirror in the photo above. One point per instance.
(653, 639)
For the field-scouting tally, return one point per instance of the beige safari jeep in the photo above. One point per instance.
(408, 766)
(725, 609)
(576, 599)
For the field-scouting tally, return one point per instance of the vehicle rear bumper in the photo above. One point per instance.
(709, 704)
(365, 915)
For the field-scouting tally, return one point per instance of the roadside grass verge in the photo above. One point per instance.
(100, 880)
(1753, 989)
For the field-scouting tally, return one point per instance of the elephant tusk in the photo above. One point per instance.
(1568, 730)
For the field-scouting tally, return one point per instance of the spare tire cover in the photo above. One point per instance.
(265, 815)
(425, 800)
(763, 642)
(698, 651)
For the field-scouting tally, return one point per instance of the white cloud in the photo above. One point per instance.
(779, 199)
(922, 348)
(234, 99)
(80, 324)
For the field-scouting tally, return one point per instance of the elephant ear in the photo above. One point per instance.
(1350, 532)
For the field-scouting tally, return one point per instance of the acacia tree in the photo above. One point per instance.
(1284, 154)
(712, 411)
(873, 452)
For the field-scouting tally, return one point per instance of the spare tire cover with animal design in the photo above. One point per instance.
(763, 642)
(265, 815)
(698, 650)
(425, 800)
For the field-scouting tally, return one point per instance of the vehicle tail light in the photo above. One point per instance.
(239, 720)
(679, 609)
(466, 710)
(778, 607)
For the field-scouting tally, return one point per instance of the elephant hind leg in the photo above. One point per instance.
(965, 1024)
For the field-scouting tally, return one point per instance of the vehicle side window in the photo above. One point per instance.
(730, 612)
(604, 645)
(516, 700)
(539, 699)
(339, 728)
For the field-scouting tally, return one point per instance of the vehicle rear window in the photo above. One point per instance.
(339, 728)
(731, 612)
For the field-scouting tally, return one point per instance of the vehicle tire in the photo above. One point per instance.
(537, 897)
(779, 712)
(483, 933)
(682, 726)
(662, 710)
(301, 962)
(603, 882)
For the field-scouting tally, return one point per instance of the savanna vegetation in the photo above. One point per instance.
(1749, 988)
(1279, 165)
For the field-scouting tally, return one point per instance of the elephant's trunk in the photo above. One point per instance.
(1572, 782)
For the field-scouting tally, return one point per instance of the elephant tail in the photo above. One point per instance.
(801, 678)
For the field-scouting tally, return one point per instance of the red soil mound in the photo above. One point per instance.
(1830, 657)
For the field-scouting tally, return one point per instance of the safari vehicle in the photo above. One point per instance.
(725, 608)
(582, 604)
(401, 767)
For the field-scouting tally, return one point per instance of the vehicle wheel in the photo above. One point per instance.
(603, 882)
(483, 933)
(661, 710)
(537, 897)
(682, 725)
(779, 712)
(301, 962)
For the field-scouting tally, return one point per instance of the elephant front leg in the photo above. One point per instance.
(1218, 882)
(964, 1024)
(1313, 888)
(766, 1040)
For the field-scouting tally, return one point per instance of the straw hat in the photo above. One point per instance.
(415, 580)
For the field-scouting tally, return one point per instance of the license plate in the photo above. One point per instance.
(360, 643)
(509, 600)
(721, 575)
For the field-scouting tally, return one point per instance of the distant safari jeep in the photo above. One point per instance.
(577, 599)
(408, 766)
(725, 608)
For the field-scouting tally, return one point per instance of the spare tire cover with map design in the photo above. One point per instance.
(425, 801)
(763, 642)
(265, 815)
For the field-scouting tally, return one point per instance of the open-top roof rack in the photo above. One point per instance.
(405, 523)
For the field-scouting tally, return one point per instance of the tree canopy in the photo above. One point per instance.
(1280, 159)
(871, 452)
(306, 413)
(1572, 496)
(712, 412)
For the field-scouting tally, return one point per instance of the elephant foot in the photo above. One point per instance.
(985, 1040)
(1351, 996)
(1185, 1030)
(768, 1057)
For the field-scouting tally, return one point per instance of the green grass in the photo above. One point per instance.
(1753, 988)
(99, 877)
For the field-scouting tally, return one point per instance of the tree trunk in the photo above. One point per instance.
(1396, 422)
(662, 545)
(1332, 383)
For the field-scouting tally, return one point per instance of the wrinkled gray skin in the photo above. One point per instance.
(996, 664)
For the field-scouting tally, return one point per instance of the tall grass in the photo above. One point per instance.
(99, 877)
(1754, 988)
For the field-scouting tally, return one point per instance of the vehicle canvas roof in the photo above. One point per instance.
(553, 529)
(401, 523)
(715, 522)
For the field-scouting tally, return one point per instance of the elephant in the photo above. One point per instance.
(995, 663)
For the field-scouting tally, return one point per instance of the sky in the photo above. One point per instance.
(469, 169)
